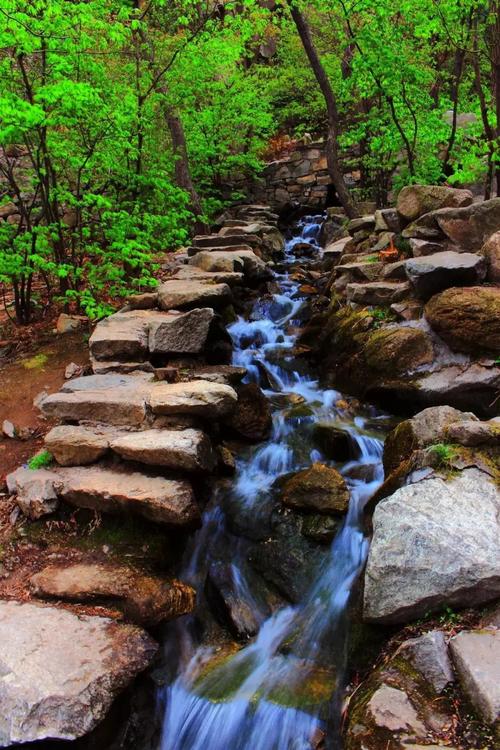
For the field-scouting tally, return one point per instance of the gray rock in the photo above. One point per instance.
(394, 271)
(473, 386)
(223, 240)
(361, 223)
(434, 273)
(435, 544)
(420, 248)
(8, 429)
(118, 406)
(377, 292)
(199, 397)
(181, 295)
(476, 655)
(182, 450)
(123, 336)
(35, 491)
(185, 333)
(391, 709)
(470, 227)
(361, 271)
(60, 672)
(72, 445)
(473, 434)
(387, 220)
(416, 200)
(230, 248)
(191, 273)
(244, 261)
(429, 654)
(107, 381)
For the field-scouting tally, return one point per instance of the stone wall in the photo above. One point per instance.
(300, 176)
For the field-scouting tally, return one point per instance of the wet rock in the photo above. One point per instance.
(467, 319)
(182, 450)
(320, 528)
(491, 251)
(476, 655)
(198, 397)
(34, 490)
(425, 428)
(435, 544)
(251, 419)
(434, 273)
(377, 292)
(334, 442)
(169, 501)
(234, 597)
(429, 654)
(76, 667)
(180, 295)
(320, 488)
(75, 446)
(396, 349)
(143, 598)
(416, 200)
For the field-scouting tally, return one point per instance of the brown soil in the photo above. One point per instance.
(21, 380)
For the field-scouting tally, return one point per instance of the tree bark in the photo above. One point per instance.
(182, 171)
(333, 159)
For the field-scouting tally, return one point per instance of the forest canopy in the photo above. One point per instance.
(124, 126)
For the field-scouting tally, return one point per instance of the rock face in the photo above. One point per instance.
(416, 200)
(434, 273)
(76, 667)
(181, 295)
(320, 489)
(467, 319)
(251, 419)
(75, 446)
(476, 655)
(435, 544)
(182, 450)
(143, 598)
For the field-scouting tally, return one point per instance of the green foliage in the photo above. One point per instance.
(444, 453)
(40, 460)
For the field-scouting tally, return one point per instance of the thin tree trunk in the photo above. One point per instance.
(182, 171)
(333, 159)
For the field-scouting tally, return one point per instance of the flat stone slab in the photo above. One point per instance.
(377, 292)
(435, 544)
(244, 261)
(232, 248)
(169, 501)
(198, 397)
(223, 240)
(182, 450)
(361, 271)
(476, 655)
(116, 406)
(73, 445)
(35, 491)
(185, 333)
(191, 273)
(431, 274)
(181, 295)
(144, 599)
(59, 672)
(123, 336)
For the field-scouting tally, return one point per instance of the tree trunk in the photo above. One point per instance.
(334, 166)
(182, 171)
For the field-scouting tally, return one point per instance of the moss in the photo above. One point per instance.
(37, 362)
(395, 350)
(40, 460)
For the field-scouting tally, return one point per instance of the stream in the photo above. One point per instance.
(283, 690)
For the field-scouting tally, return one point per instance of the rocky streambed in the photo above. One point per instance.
(234, 491)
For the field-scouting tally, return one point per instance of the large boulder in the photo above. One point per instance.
(426, 428)
(398, 349)
(435, 544)
(243, 261)
(182, 450)
(144, 598)
(474, 386)
(177, 294)
(60, 672)
(181, 334)
(416, 200)
(431, 274)
(320, 489)
(476, 655)
(468, 227)
(467, 319)
(491, 251)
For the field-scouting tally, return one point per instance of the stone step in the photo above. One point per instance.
(377, 292)
(179, 294)
(215, 240)
(431, 274)
(77, 665)
(191, 273)
(130, 403)
(234, 248)
(180, 450)
(144, 598)
(245, 262)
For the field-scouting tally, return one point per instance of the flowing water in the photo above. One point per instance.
(283, 690)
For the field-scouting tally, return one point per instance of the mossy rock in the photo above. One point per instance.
(319, 489)
(394, 350)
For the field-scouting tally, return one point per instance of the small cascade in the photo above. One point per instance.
(283, 690)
